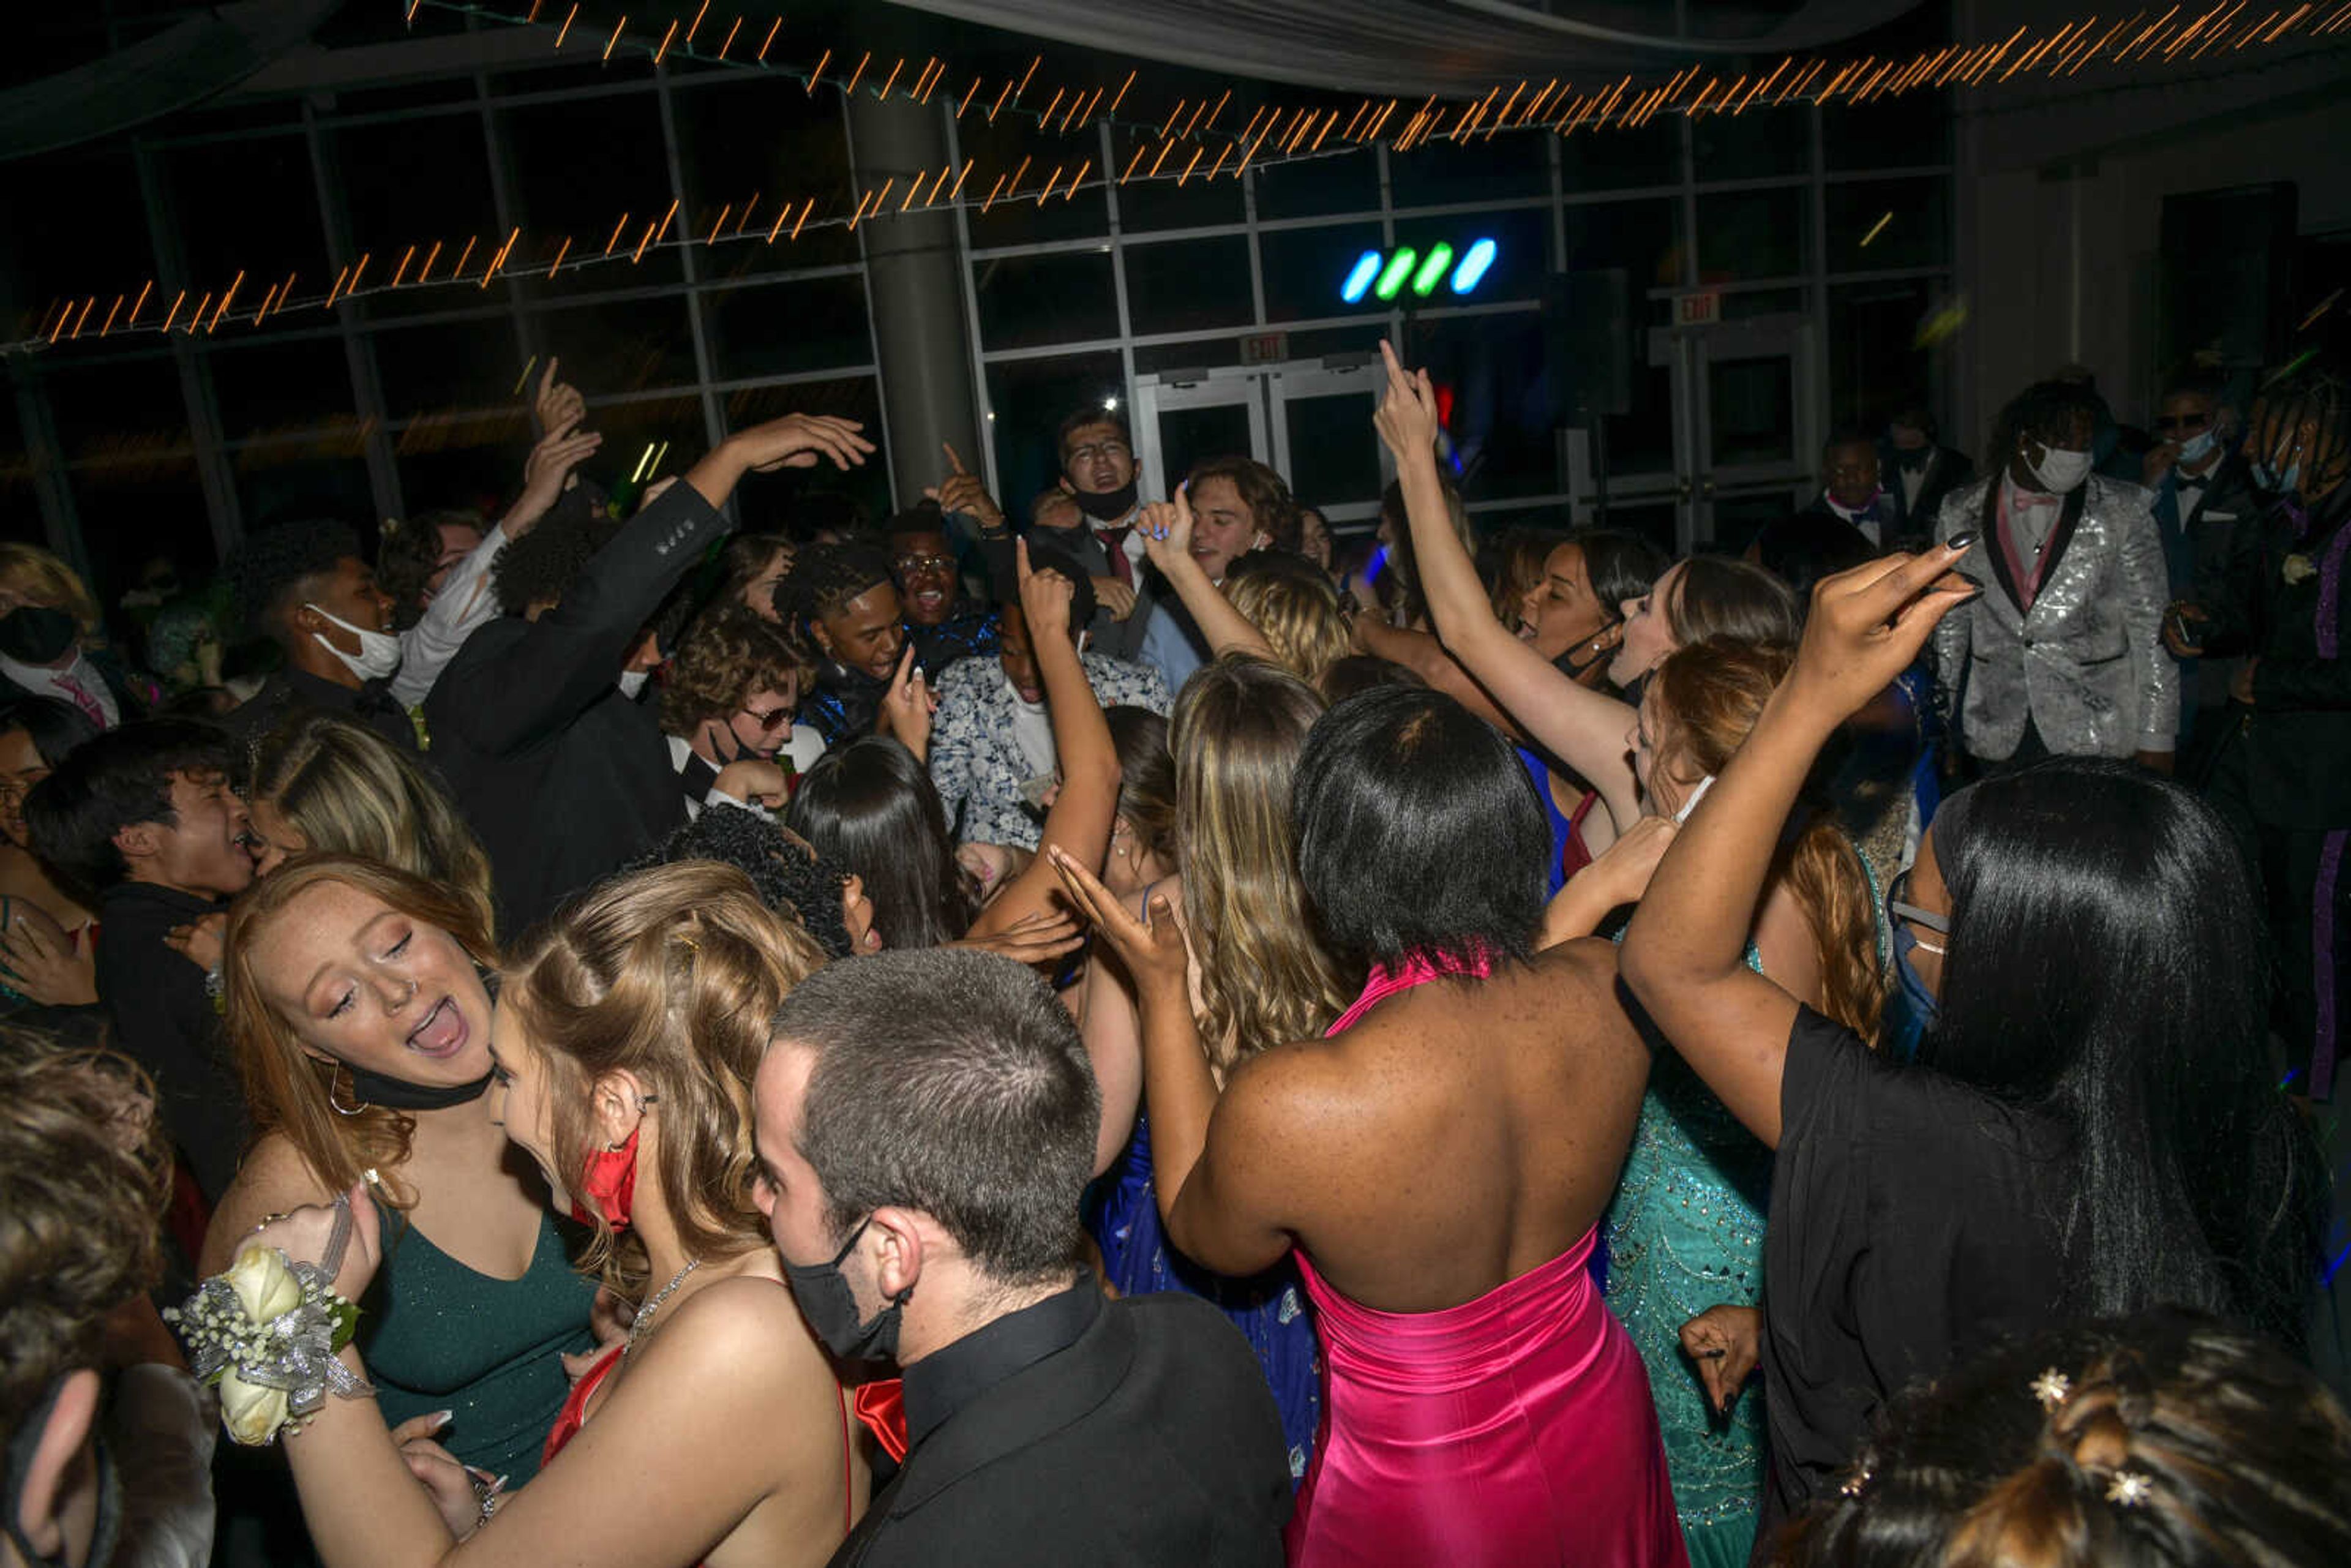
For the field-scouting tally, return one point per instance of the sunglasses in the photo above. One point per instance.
(774, 718)
(908, 565)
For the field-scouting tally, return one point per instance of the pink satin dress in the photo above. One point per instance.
(1516, 1429)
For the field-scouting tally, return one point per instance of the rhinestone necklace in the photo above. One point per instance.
(642, 1325)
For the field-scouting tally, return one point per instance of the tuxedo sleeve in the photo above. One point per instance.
(2146, 587)
(571, 655)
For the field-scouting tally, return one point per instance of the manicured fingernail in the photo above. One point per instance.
(440, 1418)
(1960, 540)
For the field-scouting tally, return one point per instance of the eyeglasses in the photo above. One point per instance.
(1898, 907)
(908, 565)
(2182, 421)
(774, 718)
(1110, 449)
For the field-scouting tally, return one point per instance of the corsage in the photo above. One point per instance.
(265, 1334)
(2298, 569)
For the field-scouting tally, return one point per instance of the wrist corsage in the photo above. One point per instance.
(265, 1334)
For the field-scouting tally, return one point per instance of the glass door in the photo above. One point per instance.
(1323, 440)
(1753, 411)
(1179, 423)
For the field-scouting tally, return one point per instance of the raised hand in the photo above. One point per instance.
(1166, 529)
(1868, 624)
(1153, 948)
(802, 441)
(548, 468)
(556, 404)
(1045, 600)
(1406, 419)
(962, 491)
(907, 707)
(303, 1235)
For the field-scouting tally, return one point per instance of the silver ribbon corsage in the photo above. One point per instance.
(2298, 569)
(265, 1335)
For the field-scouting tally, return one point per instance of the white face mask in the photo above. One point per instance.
(2060, 471)
(2199, 445)
(379, 654)
(632, 682)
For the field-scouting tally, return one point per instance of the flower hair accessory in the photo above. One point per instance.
(2052, 1388)
(265, 1333)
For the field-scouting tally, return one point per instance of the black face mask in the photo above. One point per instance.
(36, 633)
(1107, 507)
(19, 1464)
(399, 1095)
(831, 1308)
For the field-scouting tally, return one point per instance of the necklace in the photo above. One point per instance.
(642, 1322)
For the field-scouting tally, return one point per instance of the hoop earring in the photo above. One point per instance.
(336, 1106)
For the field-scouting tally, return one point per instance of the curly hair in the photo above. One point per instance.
(409, 553)
(728, 654)
(2047, 412)
(1298, 612)
(537, 568)
(84, 1175)
(1709, 695)
(673, 975)
(1264, 492)
(269, 568)
(2166, 1439)
(826, 577)
(790, 876)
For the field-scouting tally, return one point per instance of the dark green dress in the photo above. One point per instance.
(438, 1336)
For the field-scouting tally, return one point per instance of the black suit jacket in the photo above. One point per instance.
(290, 691)
(1118, 639)
(563, 778)
(164, 1020)
(1946, 471)
(1151, 1438)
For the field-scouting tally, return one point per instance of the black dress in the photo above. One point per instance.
(1913, 1219)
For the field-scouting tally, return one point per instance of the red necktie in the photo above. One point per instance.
(82, 700)
(1114, 542)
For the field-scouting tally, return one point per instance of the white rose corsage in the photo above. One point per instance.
(265, 1334)
(2298, 569)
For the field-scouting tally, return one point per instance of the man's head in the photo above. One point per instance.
(842, 593)
(1098, 463)
(148, 802)
(532, 572)
(1238, 504)
(2190, 421)
(1849, 469)
(305, 587)
(2043, 434)
(1056, 509)
(1016, 652)
(926, 1116)
(739, 671)
(1911, 429)
(86, 1173)
(922, 564)
(415, 556)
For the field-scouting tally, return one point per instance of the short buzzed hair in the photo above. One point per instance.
(953, 1083)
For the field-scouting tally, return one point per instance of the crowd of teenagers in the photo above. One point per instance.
(1147, 1032)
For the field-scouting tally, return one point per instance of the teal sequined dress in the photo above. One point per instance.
(1686, 1233)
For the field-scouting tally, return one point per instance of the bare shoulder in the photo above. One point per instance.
(742, 1336)
(274, 1179)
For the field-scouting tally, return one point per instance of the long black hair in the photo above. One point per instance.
(871, 807)
(2105, 968)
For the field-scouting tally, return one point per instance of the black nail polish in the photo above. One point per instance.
(1960, 540)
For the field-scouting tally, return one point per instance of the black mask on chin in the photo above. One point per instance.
(1107, 505)
(36, 633)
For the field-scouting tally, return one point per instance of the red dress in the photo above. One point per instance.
(1516, 1429)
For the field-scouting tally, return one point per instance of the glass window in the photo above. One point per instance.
(1644, 238)
(131, 507)
(1497, 372)
(1334, 451)
(1026, 401)
(749, 144)
(1913, 132)
(1305, 267)
(129, 408)
(1165, 200)
(1184, 286)
(466, 364)
(770, 502)
(468, 463)
(267, 387)
(280, 481)
(1014, 147)
(1880, 349)
(391, 208)
(1751, 409)
(562, 190)
(1028, 300)
(1319, 187)
(1364, 338)
(784, 329)
(1479, 168)
(1749, 236)
(1521, 240)
(1751, 146)
(251, 205)
(627, 346)
(100, 245)
(1642, 440)
(1192, 436)
(1887, 224)
(1615, 160)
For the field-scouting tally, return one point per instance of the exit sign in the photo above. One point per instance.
(1698, 310)
(1265, 347)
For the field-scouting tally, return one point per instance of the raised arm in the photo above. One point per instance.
(1082, 815)
(1167, 540)
(1582, 729)
(1683, 956)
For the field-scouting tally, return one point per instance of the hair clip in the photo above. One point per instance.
(691, 944)
(2129, 1489)
(2052, 1388)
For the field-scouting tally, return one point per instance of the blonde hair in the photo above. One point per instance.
(45, 579)
(1265, 979)
(289, 1091)
(1709, 695)
(350, 792)
(673, 975)
(1299, 616)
